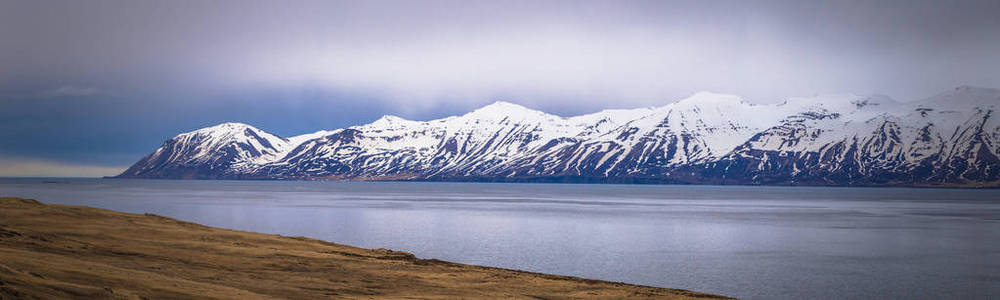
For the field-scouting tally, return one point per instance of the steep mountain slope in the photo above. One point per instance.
(479, 143)
(948, 139)
(700, 128)
(220, 151)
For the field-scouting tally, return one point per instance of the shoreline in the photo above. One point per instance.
(60, 251)
(995, 185)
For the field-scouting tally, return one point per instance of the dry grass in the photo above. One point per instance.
(57, 251)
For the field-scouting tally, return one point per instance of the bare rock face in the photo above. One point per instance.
(952, 139)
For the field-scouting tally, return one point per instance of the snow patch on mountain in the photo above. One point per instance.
(841, 139)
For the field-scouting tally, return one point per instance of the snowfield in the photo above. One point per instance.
(950, 139)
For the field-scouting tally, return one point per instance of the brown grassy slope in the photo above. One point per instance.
(57, 251)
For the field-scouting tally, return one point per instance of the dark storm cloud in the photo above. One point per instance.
(137, 72)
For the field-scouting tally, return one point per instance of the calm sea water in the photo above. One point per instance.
(747, 242)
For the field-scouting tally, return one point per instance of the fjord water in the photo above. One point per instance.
(741, 241)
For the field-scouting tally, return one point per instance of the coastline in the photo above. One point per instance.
(593, 180)
(59, 251)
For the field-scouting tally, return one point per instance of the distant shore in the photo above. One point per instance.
(592, 180)
(58, 251)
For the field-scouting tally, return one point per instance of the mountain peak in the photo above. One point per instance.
(224, 127)
(964, 96)
(389, 120)
(975, 90)
(705, 97)
(500, 104)
(825, 100)
(231, 125)
(966, 87)
(969, 90)
(233, 131)
(503, 109)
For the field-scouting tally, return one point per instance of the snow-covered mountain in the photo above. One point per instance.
(952, 139)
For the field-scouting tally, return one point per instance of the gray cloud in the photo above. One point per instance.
(421, 53)
(292, 67)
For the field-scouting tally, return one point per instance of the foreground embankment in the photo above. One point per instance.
(57, 251)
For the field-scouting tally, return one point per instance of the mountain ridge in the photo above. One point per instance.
(950, 139)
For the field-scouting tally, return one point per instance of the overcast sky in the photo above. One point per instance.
(90, 86)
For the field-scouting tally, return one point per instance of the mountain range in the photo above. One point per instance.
(951, 139)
